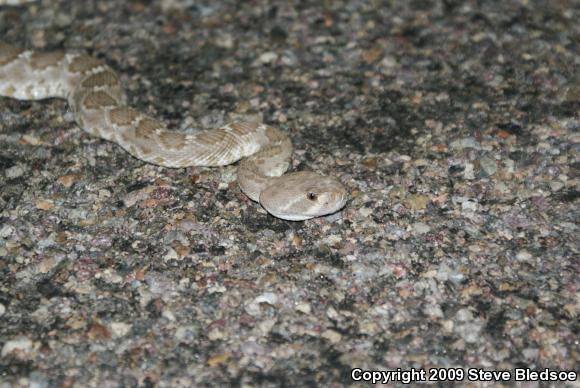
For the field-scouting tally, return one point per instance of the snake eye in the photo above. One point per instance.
(312, 196)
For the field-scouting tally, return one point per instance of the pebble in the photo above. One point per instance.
(523, 255)
(6, 230)
(421, 228)
(469, 171)
(433, 310)
(469, 206)
(488, 165)
(467, 142)
(417, 201)
(501, 187)
(185, 334)
(464, 315)
(530, 353)
(332, 336)
(253, 308)
(303, 307)
(38, 380)
(445, 273)
(120, 329)
(469, 332)
(22, 344)
(266, 326)
(268, 57)
(14, 172)
(556, 185)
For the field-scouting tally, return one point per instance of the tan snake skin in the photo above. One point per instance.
(94, 94)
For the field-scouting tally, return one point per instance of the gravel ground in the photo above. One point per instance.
(454, 125)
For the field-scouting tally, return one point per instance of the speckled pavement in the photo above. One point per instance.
(454, 124)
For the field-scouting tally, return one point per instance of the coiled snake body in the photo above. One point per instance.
(94, 94)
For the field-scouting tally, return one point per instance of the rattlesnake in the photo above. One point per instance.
(98, 102)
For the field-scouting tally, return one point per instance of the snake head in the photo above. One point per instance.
(302, 195)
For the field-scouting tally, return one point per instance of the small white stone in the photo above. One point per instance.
(332, 336)
(225, 41)
(303, 307)
(253, 307)
(349, 258)
(469, 206)
(185, 334)
(120, 329)
(530, 353)
(466, 142)
(365, 211)
(267, 297)
(268, 57)
(266, 326)
(456, 277)
(421, 228)
(447, 325)
(333, 314)
(171, 255)
(556, 185)
(2, 309)
(111, 276)
(168, 314)
(464, 315)
(333, 239)
(470, 332)
(445, 273)
(488, 165)
(501, 187)
(433, 310)
(469, 171)
(215, 334)
(104, 193)
(523, 255)
(38, 379)
(475, 248)
(28, 139)
(21, 344)
(14, 172)
(6, 230)
(389, 62)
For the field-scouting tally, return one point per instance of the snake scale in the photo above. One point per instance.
(95, 96)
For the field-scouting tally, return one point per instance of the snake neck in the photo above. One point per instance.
(260, 170)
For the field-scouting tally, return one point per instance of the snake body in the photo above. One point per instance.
(98, 102)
